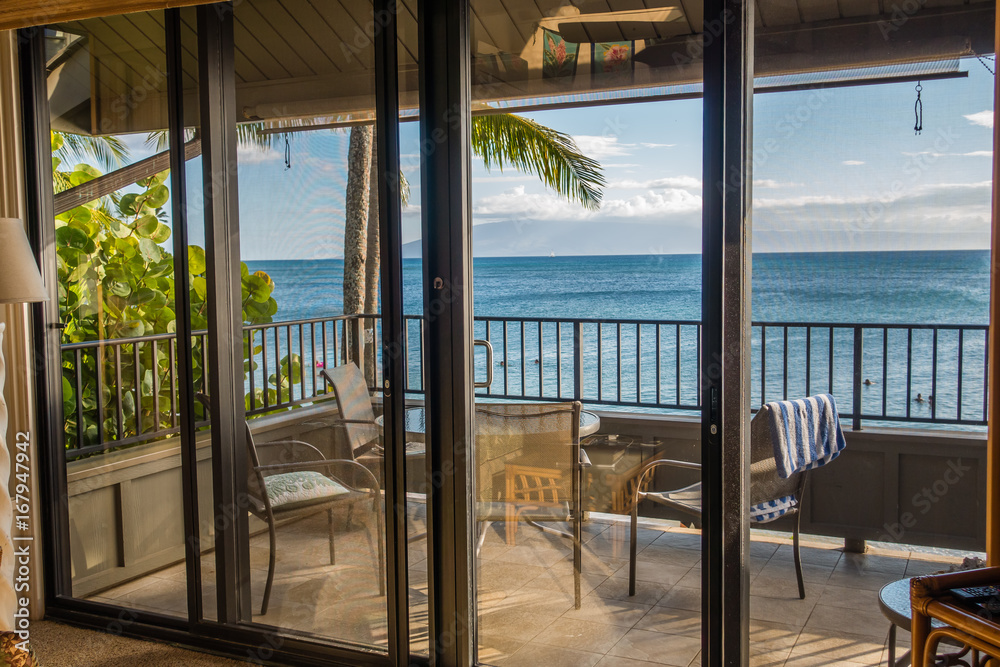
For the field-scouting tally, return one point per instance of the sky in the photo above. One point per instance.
(834, 169)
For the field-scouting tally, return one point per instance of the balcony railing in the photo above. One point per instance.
(910, 373)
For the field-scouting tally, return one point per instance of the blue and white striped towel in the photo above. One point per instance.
(805, 433)
(772, 509)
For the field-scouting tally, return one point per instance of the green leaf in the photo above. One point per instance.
(200, 287)
(196, 260)
(157, 196)
(257, 288)
(146, 226)
(80, 214)
(82, 173)
(161, 233)
(149, 250)
(57, 140)
(127, 204)
(71, 237)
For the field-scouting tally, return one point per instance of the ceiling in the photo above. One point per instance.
(311, 61)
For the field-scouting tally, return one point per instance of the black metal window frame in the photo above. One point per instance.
(445, 112)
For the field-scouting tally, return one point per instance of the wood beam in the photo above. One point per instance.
(104, 185)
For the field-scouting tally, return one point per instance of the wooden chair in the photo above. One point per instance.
(529, 469)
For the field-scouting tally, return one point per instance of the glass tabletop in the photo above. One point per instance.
(415, 421)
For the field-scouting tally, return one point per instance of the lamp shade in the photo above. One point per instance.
(20, 281)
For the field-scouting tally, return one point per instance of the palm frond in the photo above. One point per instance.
(507, 139)
(109, 152)
(251, 134)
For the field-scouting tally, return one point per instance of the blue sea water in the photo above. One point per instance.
(927, 287)
(947, 287)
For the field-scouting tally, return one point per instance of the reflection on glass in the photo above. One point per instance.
(585, 293)
(870, 227)
(310, 248)
(107, 93)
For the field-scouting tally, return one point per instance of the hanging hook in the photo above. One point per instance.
(288, 154)
(918, 112)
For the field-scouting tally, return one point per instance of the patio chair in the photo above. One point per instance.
(356, 413)
(765, 486)
(356, 417)
(289, 480)
(529, 468)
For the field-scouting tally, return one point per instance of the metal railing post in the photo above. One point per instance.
(856, 384)
(354, 348)
(577, 361)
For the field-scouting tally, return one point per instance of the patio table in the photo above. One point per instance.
(415, 422)
(894, 601)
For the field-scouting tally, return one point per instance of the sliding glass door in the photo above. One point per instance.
(358, 463)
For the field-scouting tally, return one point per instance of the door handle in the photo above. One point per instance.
(713, 412)
(489, 363)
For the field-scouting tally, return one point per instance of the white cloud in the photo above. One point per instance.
(254, 155)
(982, 118)
(770, 184)
(646, 144)
(936, 155)
(682, 182)
(599, 147)
(517, 204)
(853, 163)
(941, 215)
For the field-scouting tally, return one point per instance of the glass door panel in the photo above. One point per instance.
(114, 224)
(872, 183)
(587, 306)
(310, 249)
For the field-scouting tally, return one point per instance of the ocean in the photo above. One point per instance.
(926, 287)
(947, 287)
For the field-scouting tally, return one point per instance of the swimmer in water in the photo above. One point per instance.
(868, 382)
(919, 398)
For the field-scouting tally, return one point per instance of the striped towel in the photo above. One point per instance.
(805, 433)
(772, 509)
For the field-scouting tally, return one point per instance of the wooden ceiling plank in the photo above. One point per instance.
(189, 45)
(323, 37)
(504, 34)
(779, 12)
(406, 33)
(288, 20)
(524, 15)
(351, 32)
(273, 37)
(818, 10)
(858, 8)
(694, 14)
(253, 51)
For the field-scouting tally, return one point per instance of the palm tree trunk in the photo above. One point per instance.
(372, 262)
(359, 155)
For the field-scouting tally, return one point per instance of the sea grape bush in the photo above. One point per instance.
(116, 281)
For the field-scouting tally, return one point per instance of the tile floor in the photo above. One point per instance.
(525, 596)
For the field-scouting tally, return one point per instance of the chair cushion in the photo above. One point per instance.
(305, 487)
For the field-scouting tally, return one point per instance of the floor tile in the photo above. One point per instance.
(533, 655)
(580, 635)
(657, 647)
(671, 621)
(609, 611)
(868, 622)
